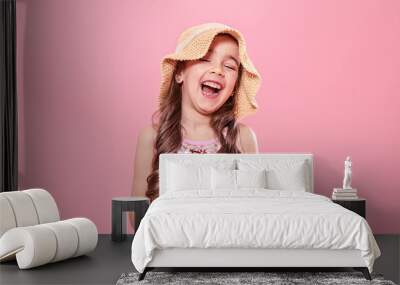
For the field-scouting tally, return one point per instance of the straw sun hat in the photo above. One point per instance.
(193, 44)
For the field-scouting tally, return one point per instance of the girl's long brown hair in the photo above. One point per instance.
(169, 129)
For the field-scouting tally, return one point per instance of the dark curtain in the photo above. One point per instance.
(8, 98)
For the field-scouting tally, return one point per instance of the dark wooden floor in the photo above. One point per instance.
(111, 259)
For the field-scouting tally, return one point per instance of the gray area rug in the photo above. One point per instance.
(228, 278)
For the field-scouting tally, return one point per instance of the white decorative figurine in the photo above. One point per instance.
(347, 174)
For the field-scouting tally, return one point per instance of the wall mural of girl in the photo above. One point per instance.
(207, 85)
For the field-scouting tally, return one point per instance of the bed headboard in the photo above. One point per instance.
(200, 159)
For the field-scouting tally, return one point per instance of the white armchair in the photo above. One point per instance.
(31, 230)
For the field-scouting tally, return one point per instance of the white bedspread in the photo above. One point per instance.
(250, 218)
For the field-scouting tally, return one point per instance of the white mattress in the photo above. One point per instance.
(250, 218)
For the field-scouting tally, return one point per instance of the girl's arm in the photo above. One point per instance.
(142, 165)
(143, 158)
(247, 139)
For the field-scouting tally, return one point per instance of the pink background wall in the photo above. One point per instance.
(89, 73)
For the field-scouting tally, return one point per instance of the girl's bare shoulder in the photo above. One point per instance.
(247, 139)
(147, 134)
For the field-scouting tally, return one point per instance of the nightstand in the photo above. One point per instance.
(120, 205)
(357, 205)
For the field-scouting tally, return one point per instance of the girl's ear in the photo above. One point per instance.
(178, 78)
(179, 72)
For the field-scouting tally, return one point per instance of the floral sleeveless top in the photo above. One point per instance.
(204, 146)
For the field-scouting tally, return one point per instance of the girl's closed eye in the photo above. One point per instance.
(230, 67)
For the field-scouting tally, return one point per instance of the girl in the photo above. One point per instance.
(207, 85)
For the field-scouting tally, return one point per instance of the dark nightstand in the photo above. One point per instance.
(120, 205)
(357, 205)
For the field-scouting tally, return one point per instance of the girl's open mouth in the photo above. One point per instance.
(209, 91)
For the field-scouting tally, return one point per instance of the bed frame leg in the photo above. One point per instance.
(364, 271)
(143, 274)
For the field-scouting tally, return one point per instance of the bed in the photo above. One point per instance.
(247, 210)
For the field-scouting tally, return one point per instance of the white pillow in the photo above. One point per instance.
(223, 179)
(236, 179)
(288, 179)
(181, 177)
(282, 174)
(251, 178)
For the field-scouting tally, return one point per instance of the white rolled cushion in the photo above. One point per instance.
(7, 218)
(67, 239)
(40, 244)
(87, 235)
(287, 174)
(223, 179)
(45, 205)
(251, 178)
(23, 208)
(33, 245)
(181, 177)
